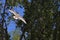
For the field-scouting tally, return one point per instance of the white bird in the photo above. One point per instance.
(17, 16)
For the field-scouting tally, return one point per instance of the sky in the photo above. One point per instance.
(12, 24)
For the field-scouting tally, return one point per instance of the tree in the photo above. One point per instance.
(3, 14)
(3, 27)
(41, 17)
(15, 35)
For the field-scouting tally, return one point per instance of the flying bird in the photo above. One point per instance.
(17, 16)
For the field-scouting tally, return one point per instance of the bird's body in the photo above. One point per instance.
(17, 16)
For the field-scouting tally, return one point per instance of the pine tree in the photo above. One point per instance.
(40, 17)
(3, 26)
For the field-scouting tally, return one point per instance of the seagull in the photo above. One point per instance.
(17, 16)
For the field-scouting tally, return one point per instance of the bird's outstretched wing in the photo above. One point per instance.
(22, 19)
(13, 12)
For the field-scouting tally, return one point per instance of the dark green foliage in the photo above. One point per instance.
(42, 20)
(14, 2)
